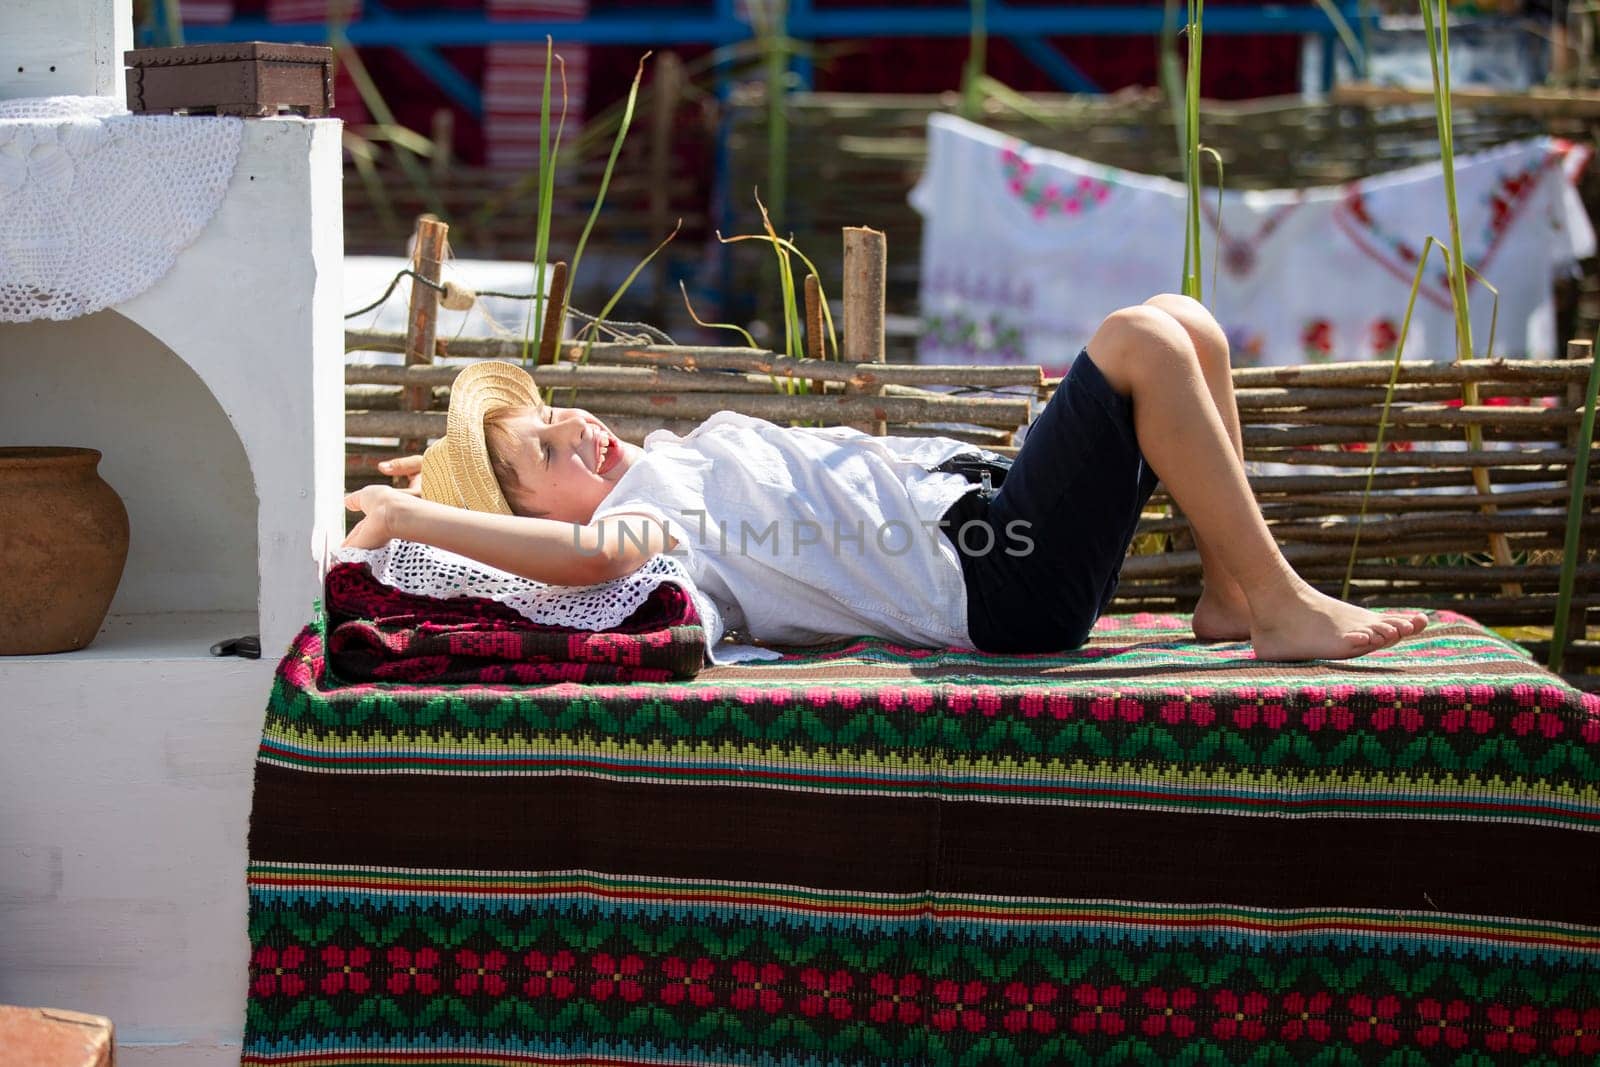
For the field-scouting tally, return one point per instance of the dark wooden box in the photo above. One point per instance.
(253, 79)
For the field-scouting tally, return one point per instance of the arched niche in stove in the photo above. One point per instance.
(102, 381)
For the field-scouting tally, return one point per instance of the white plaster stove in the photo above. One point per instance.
(217, 398)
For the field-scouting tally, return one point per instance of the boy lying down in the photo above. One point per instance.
(802, 535)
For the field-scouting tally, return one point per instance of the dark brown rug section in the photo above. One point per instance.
(911, 845)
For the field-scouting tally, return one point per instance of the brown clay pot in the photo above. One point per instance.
(63, 542)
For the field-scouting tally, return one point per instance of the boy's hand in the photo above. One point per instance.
(409, 467)
(380, 504)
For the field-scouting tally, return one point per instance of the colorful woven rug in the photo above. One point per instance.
(1148, 851)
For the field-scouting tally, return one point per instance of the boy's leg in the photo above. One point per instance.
(1146, 355)
(1223, 613)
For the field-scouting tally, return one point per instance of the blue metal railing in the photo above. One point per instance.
(719, 25)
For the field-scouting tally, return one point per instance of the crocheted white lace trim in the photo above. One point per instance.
(423, 570)
(60, 107)
(98, 203)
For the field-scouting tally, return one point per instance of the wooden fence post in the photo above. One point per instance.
(555, 313)
(816, 342)
(423, 322)
(866, 265)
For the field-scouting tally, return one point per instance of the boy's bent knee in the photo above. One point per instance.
(1135, 341)
(1207, 334)
(1178, 306)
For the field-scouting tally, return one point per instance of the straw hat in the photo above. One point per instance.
(456, 469)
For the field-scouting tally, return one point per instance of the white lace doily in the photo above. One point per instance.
(423, 570)
(60, 107)
(98, 203)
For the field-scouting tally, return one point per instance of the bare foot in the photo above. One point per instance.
(1222, 616)
(1311, 625)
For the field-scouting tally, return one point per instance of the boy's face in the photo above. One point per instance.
(567, 463)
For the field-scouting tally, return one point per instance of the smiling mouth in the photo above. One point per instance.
(606, 454)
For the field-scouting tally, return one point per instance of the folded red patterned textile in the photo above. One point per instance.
(377, 633)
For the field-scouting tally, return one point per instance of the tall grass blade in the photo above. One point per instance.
(1191, 152)
(750, 342)
(972, 73)
(362, 155)
(778, 124)
(1383, 418)
(1436, 21)
(794, 342)
(375, 104)
(789, 247)
(1347, 35)
(777, 386)
(1494, 311)
(1573, 543)
(541, 242)
(995, 89)
(401, 136)
(1170, 72)
(627, 283)
(611, 165)
(172, 10)
(1216, 253)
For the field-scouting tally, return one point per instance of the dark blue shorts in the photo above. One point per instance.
(1042, 556)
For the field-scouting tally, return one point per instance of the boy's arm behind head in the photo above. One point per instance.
(544, 550)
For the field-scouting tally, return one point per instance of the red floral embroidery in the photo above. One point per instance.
(1029, 1012)
(1166, 1011)
(616, 977)
(1511, 1028)
(823, 696)
(1538, 707)
(1240, 1016)
(1317, 339)
(958, 1006)
(1374, 1021)
(345, 970)
(1056, 706)
(278, 972)
(688, 980)
(1384, 336)
(549, 974)
(758, 987)
(1116, 705)
(1261, 705)
(1397, 706)
(481, 972)
(985, 700)
(1579, 1034)
(898, 998)
(408, 970)
(1443, 1022)
(1329, 707)
(1308, 1016)
(826, 993)
(1195, 707)
(1466, 703)
(1099, 1009)
(918, 700)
